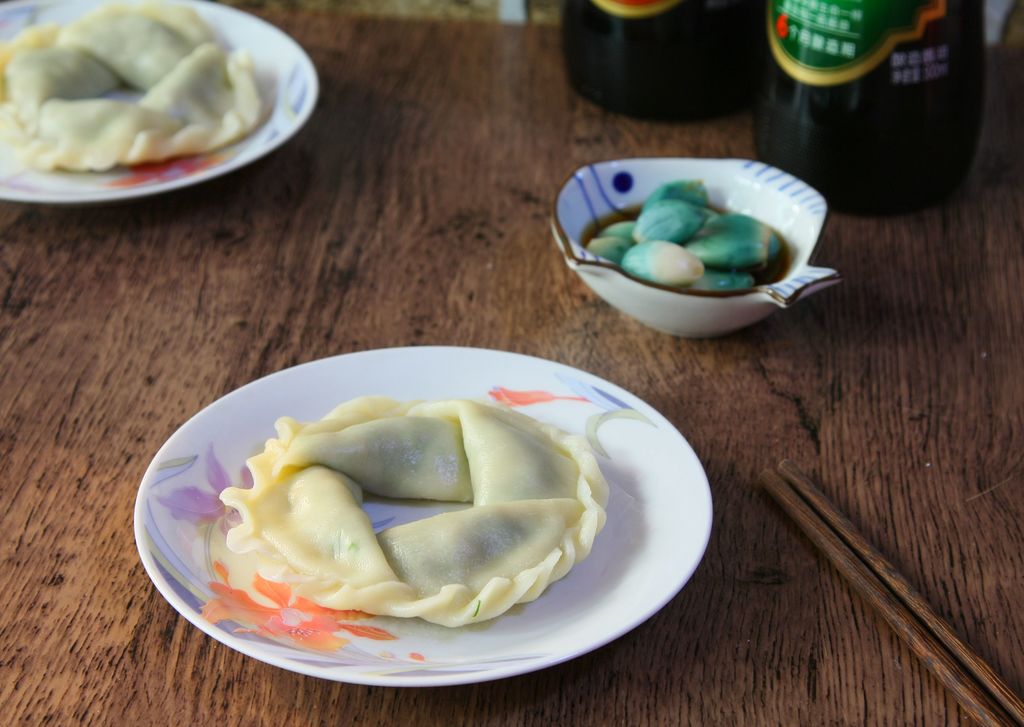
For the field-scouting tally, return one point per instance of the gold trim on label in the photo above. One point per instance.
(857, 68)
(624, 10)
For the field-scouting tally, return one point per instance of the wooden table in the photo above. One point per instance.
(414, 209)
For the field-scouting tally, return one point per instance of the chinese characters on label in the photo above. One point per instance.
(831, 42)
(908, 68)
(822, 26)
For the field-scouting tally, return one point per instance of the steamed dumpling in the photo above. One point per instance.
(538, 503)
(198, 98)
(140, 43)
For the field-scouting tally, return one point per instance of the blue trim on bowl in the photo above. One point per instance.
(586, 197)
(600, 188)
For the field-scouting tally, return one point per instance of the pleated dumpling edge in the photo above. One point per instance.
(453, 569)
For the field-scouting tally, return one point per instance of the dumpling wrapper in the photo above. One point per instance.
(96, 133)
(208, 88)
(140, 43)
(510, 462)
(473, 546)
(396, 457)
(36, 75)
(452, 569)
(326, 508)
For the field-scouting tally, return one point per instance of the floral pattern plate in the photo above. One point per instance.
(659, 521)
(287, 83)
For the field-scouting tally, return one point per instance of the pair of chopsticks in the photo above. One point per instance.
(973, 683)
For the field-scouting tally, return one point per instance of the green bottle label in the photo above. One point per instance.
(828, 42)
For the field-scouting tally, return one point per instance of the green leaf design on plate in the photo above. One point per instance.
(179, 462)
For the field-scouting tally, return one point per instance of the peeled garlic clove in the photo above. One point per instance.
(610, 248)
(662, 262)
(734, 241)
(723, 280)
(618, 229)
(685, 190)
(670, 220)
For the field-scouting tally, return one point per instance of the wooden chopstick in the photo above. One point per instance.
(903, 590)
(978, 690)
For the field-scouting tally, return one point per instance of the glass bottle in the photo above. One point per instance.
(666, 59)
(876, 103)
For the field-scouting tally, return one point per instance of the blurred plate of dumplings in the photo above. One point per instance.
(104, 101)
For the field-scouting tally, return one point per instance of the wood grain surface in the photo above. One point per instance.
(414, 209)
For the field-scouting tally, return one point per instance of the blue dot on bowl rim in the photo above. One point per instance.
(623, 182)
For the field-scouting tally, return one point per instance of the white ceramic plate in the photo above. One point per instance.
(659, 521)
(284, 73)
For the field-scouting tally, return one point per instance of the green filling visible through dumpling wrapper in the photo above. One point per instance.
(139, 49)
(538, 503)
(398, 457)
(36, 75)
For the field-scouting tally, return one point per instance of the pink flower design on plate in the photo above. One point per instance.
(166, 171)
(512, 397)
(294, 617)
(201, 504)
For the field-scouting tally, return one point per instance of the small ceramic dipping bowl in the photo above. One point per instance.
(794, 209)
